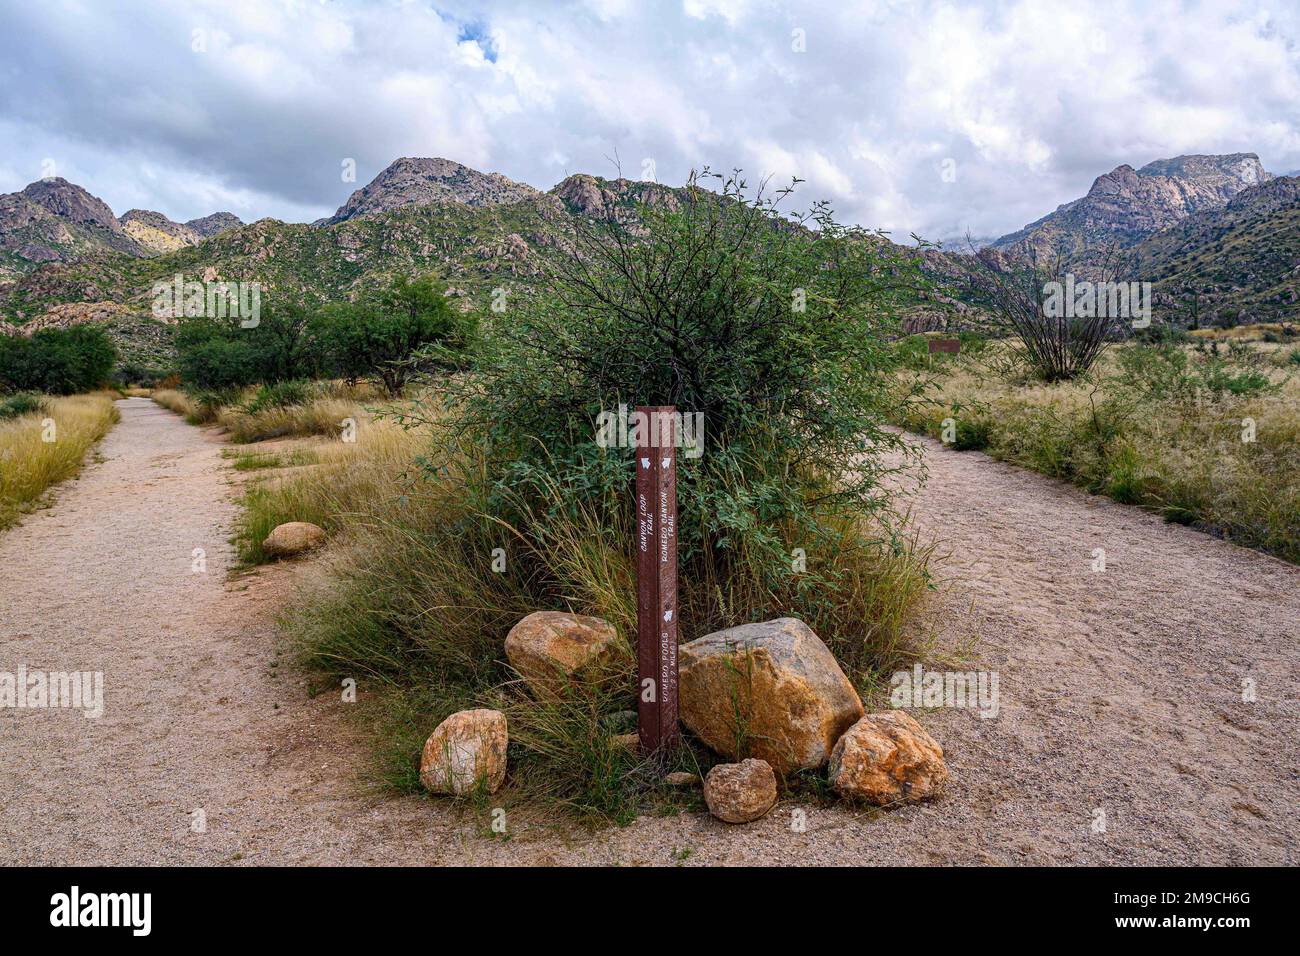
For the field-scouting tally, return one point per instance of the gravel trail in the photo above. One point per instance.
(1121, 694)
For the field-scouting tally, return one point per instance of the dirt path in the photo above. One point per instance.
(1121, 691)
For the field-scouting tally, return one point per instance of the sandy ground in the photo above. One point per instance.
(1120, 694)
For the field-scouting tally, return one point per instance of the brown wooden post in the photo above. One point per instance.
(656, 577)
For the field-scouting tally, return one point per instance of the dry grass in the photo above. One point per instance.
(40, 449)
(176, 401)
(1259, 332)
(333, 483)
(322, 416)
(1181, 454)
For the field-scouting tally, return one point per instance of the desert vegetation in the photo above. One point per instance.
(46, 429)
(44, 441)
(56, 361)
(1201, 429)
(483, 495)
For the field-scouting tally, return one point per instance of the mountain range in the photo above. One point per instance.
(1126, 205)
(1219, 229)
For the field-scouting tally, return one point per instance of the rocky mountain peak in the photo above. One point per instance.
(70, 202)
(215, 224)
(1244, 168)
(414, 181)
(1126, 205)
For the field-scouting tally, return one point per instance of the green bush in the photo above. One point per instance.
(219, 354)
(23, 403)
(56, 361)
(379, 334)
(1169, 372)
(278, 395)
(972, 433)
(778, 337)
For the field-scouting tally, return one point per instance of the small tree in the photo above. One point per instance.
(379, 334)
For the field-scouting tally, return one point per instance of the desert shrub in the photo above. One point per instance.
(379, 334)
(1170, 372)
(278, 395)
(22, 403)
(217, 354)
(144, 376)
(777, 337)
(972, 432)
(1027, 297)
(56, 361)
(206, 405)
(210, 361)
(777, 333)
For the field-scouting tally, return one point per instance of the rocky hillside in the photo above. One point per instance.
(156, 232)
(1231, 265)
(53, 220)
(215, 224)
(1127, 205)
(419, 182)
(476, 230)
(1187, 218)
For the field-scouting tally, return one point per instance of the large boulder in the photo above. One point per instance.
(466, 751)
(887, 758)
(550, 648)
(740, 792)
(292, 538)
(779, 682)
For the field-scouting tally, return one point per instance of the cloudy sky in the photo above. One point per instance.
(920, 116)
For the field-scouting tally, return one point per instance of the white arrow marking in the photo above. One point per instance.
(665, 463)
(668, 615)
(645, 462)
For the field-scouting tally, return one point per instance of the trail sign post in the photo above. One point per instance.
(656, 577)
(951, 346)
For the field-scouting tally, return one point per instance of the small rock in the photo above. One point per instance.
(681, 778)
(548, 648)
(887, 758)
(626, 741)
(292, 538)
(467, 750)
(740, 792)
(792, 697)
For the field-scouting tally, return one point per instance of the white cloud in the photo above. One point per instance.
(931, 116)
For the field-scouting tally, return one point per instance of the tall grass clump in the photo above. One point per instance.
(46, 445)
(176, 401)
(776, 331)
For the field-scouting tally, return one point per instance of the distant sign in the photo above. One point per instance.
(952, 346)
